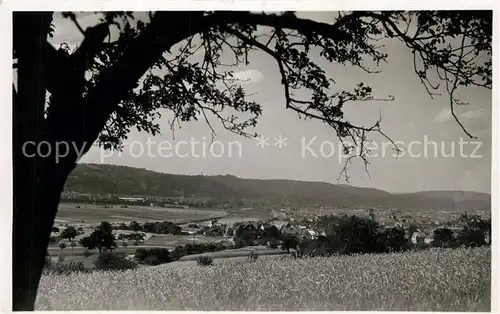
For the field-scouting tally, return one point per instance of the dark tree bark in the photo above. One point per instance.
(35, 199)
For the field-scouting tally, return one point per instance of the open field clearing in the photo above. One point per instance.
(69, 213)
(154, 240)
(78, 251)
(433, 280)
(241, 252)
(247, 214)
(234, 259)
(171, 240)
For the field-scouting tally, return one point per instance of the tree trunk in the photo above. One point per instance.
(26, 108)
(36, 199)
(34, 216)
(38, 181)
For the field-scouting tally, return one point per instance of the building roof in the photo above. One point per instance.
(279, 223)
(312, 232)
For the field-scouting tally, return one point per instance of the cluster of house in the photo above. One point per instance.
(290, 227)
(228, 231)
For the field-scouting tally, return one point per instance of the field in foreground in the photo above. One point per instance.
(433, 280)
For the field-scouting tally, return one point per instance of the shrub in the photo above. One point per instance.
(205, 260)
(358, 235)
(271, 232)
(273, 245)
(122, 226)
(252, 257)
(261, 241)
(443, 237)
(322, 246)
(178, 252)
(66, 268)
(110, 261)
(475, 231)
(246, 234)
(306, 247)
(135, 236)
(239, 243)
(151, 260)
(209, 247)
(161, 254)
(289, 242)
(393, 240)
(134, 226)
(87, 253)
(140, 254)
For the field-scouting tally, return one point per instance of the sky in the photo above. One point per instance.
(309, 150)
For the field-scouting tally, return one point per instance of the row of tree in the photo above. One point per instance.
(246, 235)
(69, 233)
(160, 227)
(102, 238)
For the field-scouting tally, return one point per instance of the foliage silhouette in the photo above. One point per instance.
(476, 231)
(69, 233)
(100, 240)
(289, 242)
(112, 261)
(204, 260)
(443, 237)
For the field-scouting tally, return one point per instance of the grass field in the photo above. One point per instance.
(231, 253)
(175, 240)
(68, 212)
(433, 280)
(78, 251)
(155, 240)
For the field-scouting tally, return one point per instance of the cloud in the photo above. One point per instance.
(249, 76)
(473, 114)
(443, 116)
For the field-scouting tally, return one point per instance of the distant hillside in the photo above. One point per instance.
(457, 195)
(121, 180)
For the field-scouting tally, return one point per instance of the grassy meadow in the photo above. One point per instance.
(432, 280)
(75, 213)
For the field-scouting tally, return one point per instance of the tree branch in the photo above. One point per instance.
(287, 21)
(86, 118)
